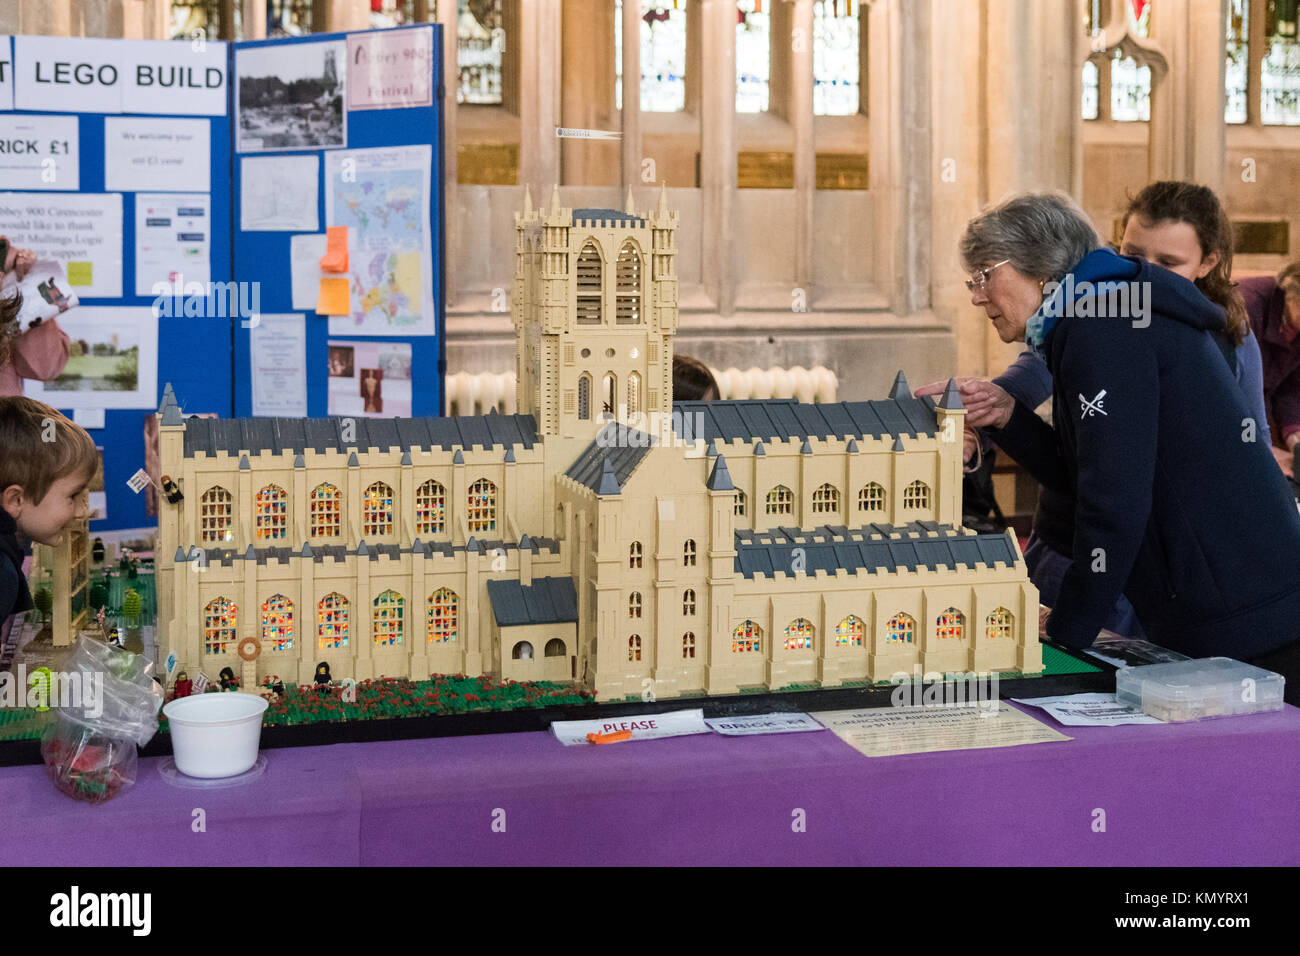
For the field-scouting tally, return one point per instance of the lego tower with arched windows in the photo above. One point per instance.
(603, 535)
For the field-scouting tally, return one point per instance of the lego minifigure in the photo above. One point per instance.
(183, 685)
(171, 491)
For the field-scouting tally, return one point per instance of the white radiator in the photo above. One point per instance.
(478, 394)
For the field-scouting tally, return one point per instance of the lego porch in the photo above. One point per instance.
(396, 469)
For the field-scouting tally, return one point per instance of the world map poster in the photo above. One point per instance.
(382, 197)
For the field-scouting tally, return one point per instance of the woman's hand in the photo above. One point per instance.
(987, 405)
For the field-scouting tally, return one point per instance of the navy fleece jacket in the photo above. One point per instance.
(14, 596)
(1176, 506)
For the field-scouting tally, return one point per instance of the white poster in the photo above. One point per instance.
(291, 97)
(82, 231)
(159, 155)
(279, 193)
(67, 74)
(6, 74)
(390, 68)
(174, 77)
(172, 236)
(114, 361)
(278, 362)
(382, 196)
(305, 273)
(39, 152)
(370, 379)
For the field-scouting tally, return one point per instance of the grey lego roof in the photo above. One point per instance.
(545, 601)
(872, 548)
(771, 418)
(337, 552)
(253, 435)
(613, 215)
(622, 447)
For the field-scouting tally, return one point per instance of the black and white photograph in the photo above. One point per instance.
(291, 97)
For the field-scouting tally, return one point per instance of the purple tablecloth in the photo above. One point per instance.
(1219, 792)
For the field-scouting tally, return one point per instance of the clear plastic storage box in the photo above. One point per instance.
(1191, 690)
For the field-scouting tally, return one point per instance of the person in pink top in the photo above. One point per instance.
(39, 352)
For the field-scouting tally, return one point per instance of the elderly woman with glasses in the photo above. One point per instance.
(1177, 505)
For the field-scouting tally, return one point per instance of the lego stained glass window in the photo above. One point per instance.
(747, 638)
(799, 635)
(740, 503)
(325, 499)
(836, 67)
(590, 290)
(780, 501)
(951, 625)
(916, 495)
(1000, 623)
(634, 604)
(442, 616)
(215, 509)
(688, 646)
(272, 513)
(332, 621)
(627, 310)
(753, 56)
(634, 555)
(900, 629)
(390, 608)
(277, 623)
(848, 633)
(430, 508)
(584, 398)
(634, 647)
(378, 513)
(826, 500)
(688, 553)
(633, 394)
(219, 626)
(663, 56)
(480, 41)
(523, 651)
(872, 498)
(688, 602)
(482, 506)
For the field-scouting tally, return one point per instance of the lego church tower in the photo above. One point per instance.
(591, 344)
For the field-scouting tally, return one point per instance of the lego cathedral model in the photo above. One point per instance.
(604, 535)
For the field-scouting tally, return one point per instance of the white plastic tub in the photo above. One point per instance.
(215, 735)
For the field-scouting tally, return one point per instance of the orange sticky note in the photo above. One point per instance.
(336, 250)
(333, 299)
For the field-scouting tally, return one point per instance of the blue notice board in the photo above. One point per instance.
(367, 177)
(205, 331)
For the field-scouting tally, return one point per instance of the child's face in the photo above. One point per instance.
(47, 522)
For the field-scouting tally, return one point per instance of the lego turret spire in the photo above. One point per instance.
(528, 202)
(630, 207)
(663, 199)
(555, 199)
(901, 388)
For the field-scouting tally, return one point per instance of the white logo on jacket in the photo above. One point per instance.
(1092, 406)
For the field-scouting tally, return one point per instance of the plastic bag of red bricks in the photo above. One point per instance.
(86, 765)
